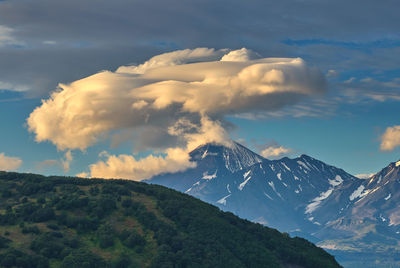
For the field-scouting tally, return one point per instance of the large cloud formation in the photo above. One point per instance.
(181, 96)
(391, 138)
(9, 163)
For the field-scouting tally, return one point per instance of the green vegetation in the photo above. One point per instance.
(72, 222)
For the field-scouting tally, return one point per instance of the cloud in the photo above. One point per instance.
(96, 39)
(9, 163)
(13, 87)
(66, 161)
(82, 175)
(172, 160)
(63, 163)
(390, 139)
(7, 38)
(184, 95)
(364, 176)
(372, 89)
(275, 151)
(47, 163)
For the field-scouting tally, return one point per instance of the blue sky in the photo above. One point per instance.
(355, 46)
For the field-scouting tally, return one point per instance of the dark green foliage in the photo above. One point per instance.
(106, 236)
(82, 259)
(48, 245)
(15, 258)
(3, 242)
(124, 261)
(94, 190)
(71, 222)
(30, 230)
(132, 239)
(53, 226)
(43, 214)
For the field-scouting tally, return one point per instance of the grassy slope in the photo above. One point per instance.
(71, 222)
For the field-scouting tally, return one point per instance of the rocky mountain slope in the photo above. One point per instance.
(370, 228)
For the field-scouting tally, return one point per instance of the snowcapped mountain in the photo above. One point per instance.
(288, 194)
(374, 211)
(356, 220)
(211, 160)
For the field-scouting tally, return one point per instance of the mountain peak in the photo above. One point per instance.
(235, 157)
(306, 156)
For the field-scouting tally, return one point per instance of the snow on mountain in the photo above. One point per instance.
(302, 196)
(370, 222)
(284, 193)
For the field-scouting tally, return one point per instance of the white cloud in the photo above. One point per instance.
(364, 176)
(275, 151)
(391, 138)
(182, 95)
(8, 163)
(172, 159)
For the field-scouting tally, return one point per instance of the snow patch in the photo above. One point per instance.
(241, 186)
(271, 183)
(285, 166)
(279, 175)
(357, 192)
(207, 153)
(209, 177)
(338, 180)
(397, 163)
(296, 191)
(303, 164)
(228, 188)
(268, 196)
(223, 200)
(316, 201)
(296, 178)
(204, 154)
(195, 184)
(246, 174)
(388, 197)
(272, 167)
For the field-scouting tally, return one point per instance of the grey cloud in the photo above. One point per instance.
(107, 34)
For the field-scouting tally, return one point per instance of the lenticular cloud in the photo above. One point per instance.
(184, 94)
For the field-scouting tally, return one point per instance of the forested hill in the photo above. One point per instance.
(73, 222)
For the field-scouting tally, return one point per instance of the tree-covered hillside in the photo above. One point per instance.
(73, 222)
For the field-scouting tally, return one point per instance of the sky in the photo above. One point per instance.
(128, 88)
